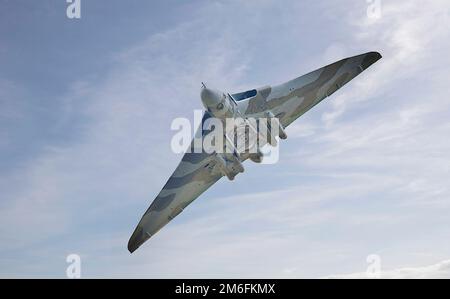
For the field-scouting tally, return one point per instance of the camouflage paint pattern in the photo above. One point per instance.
(197, 171)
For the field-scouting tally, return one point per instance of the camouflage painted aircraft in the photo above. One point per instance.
(283, 103)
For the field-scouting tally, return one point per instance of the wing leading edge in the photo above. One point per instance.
(193, 176)
(292, 99)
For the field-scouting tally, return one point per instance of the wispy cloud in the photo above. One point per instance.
(440, 270)
(357, 174)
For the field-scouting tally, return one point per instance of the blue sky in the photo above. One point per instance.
(86, 107)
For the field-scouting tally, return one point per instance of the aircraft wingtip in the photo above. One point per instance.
(377, 55)
(131, 248)
(137, 239)
(370, 58)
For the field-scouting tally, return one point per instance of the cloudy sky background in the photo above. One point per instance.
(85, 113)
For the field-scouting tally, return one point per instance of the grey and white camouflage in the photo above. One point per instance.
(198, 171)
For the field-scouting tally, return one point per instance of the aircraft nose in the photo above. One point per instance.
(210, 98)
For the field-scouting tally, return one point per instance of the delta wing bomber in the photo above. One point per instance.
(257, 116)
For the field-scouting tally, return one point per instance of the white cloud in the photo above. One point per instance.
(440, 270)
(345, 184)
(123, 145)
(412, 41)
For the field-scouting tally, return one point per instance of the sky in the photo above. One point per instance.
(85, 112)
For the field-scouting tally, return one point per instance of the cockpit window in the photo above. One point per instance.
(244, 95)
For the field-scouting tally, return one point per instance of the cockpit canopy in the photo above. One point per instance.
(244, 95)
